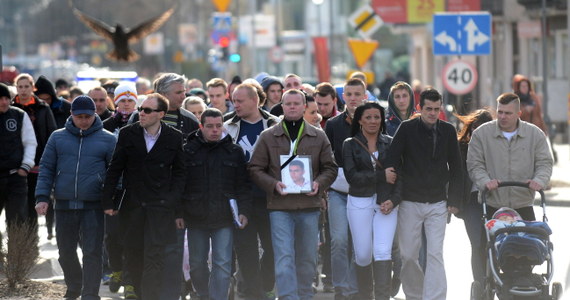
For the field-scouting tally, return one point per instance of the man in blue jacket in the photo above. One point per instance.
(73, 164)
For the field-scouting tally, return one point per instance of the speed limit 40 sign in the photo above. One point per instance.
(459, 77)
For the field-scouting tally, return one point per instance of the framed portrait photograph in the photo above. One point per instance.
(297, 174)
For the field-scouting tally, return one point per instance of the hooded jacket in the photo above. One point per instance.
(74, 165)
(393, 118)
(531, 104)
(60, 108)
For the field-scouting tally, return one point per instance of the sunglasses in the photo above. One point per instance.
(148, 110)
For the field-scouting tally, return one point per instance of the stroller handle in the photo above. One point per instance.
(514, 183)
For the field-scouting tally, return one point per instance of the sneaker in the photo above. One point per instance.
(270, 295)
(130, 292)
(115, 281)
(328, 288)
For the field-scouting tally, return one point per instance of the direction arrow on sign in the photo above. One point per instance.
(362, 50)
(222, 5)
(462, 34)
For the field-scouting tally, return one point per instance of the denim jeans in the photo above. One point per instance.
(172, 273)
(212, 285)
(342, 263)
(295, 236)
(85, 227)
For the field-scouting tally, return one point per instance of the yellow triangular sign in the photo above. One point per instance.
(222, 5)
(362, 50)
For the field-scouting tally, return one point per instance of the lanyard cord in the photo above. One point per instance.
(298, 136)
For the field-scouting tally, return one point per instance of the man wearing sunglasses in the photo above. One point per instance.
(149, 155)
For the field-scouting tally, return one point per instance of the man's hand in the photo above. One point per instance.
(315, 189)
(41, 208)
(179, 223)
(243, 221)
(391, 175)
(22, 172)
(533, 185)
(492, 185)
(279, 187)
(386, 207)
(110, 212)
(453, 210)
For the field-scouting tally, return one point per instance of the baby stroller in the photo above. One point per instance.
(509, 273)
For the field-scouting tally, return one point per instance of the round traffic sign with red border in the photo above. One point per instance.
(459, 77)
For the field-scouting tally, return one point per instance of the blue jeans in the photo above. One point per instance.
(342, 262)
(85, 227)
(211, 285)
(295, 236)
(172, 272)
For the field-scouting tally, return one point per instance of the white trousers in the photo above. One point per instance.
(372, 231)
(433, 216)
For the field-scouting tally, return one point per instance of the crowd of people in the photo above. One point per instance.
(253, 179)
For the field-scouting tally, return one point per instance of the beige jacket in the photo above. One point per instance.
(264, 166)
(492, 156)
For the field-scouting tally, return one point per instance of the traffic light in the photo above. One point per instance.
(235, 58)
(224, 44)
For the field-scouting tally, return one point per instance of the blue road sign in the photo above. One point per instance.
(221, 25)
(462, 34)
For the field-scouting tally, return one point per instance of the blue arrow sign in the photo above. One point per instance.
(462, 34)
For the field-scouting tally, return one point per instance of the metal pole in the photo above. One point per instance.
(568, 66)
(252, 7)
(544, 65)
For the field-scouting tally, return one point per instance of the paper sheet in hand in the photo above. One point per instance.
(235, 212)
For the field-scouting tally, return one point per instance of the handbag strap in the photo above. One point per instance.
(378, 164)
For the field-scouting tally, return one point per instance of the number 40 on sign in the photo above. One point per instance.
(459, 77)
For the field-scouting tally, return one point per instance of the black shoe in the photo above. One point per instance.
(395, 286)
(69, 295)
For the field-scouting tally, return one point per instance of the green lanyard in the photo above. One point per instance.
(298, 135)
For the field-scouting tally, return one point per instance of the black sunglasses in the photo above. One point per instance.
(147, 110)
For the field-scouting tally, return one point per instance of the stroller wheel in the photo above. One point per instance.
(476, 291)
(556, 290)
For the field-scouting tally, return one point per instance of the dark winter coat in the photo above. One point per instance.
(153, 179)
(215, 173)
(44, 123)
(74, 165)
(426, 170)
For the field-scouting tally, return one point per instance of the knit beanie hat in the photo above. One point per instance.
(83, 105)
(506, 211)
(268, 81)
(4, 91)
(124, 92)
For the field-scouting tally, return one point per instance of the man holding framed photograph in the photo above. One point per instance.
(294, 217)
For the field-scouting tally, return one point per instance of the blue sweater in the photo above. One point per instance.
(74, 165)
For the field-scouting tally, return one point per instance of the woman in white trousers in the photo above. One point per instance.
(372, 201)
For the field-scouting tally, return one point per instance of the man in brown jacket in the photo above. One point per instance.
(294, 217)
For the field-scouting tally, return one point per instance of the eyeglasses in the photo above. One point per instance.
(148, 110)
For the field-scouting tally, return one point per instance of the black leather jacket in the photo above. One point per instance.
(363, 180)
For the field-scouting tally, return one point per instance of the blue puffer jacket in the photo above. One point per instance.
(74, 164)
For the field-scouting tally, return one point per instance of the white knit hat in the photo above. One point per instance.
(125, 91)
